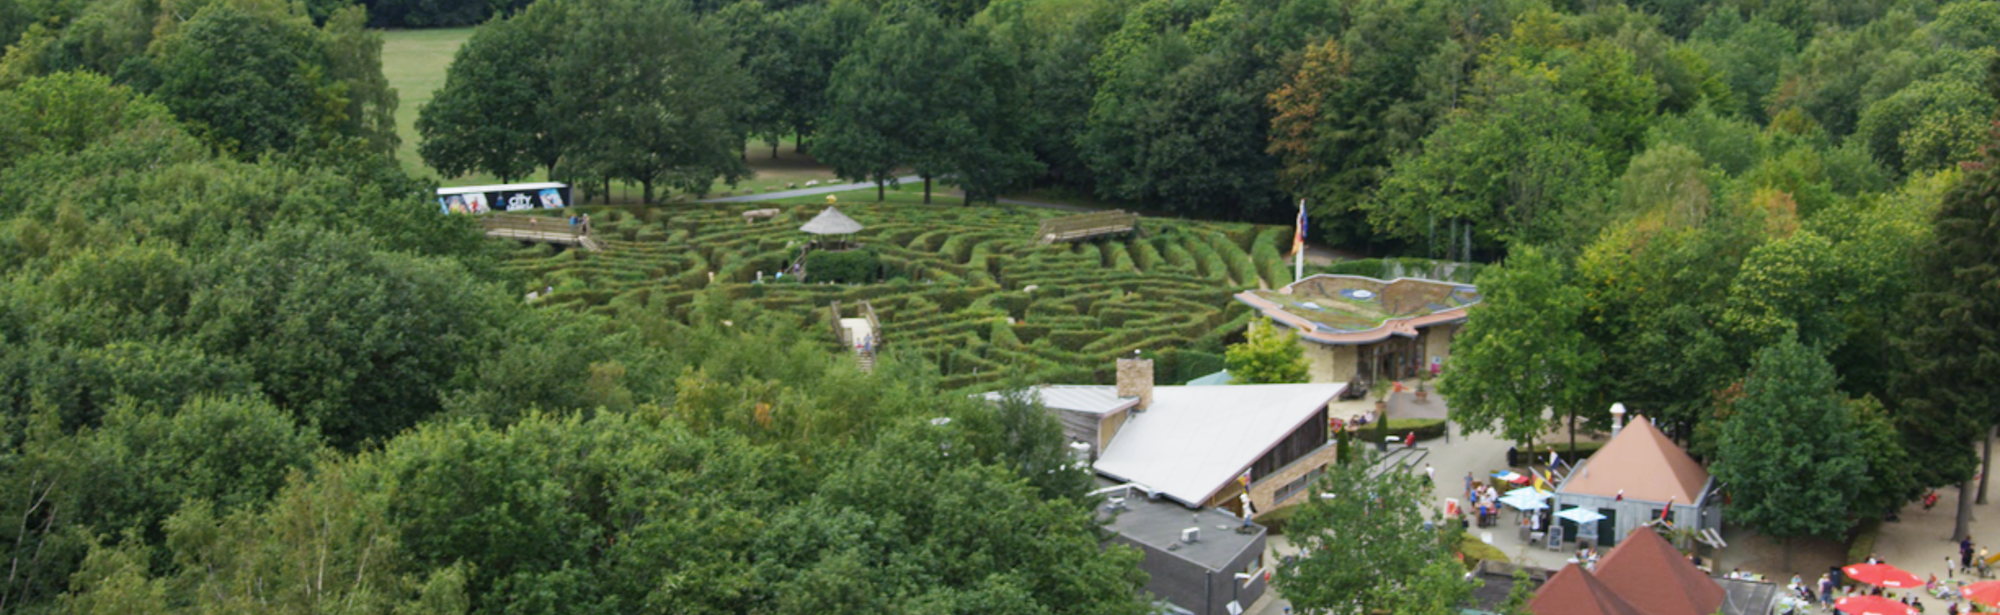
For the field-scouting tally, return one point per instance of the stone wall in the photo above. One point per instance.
(1437, 342)
(1264, 492)
(1329, 363)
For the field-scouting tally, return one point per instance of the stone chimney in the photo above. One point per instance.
(1135, 379)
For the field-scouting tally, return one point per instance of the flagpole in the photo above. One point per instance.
(1299, 255)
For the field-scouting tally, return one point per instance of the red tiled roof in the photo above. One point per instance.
(1575, 592)
(1644, 464)
(1650, 573)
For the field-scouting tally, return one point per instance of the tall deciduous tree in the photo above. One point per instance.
(815, 37)
(1524, 171)
(1522, 352)
(1177, 122)
(1788, 450)
(494, 113)
(919, 92)
(1950, 350)
(259, 77)
(1368, 538)
(1269, 355)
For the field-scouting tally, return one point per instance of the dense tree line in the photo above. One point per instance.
(289, 385)
(250, 77)
(1445, 128)
(1816, 326)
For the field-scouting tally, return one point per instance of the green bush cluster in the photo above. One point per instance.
(1425, 429)
(857, 266)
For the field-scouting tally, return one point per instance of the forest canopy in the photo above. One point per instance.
(244, 351)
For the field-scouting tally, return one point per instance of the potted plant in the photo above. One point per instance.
(1423, 389)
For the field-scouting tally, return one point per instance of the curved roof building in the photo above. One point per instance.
(1364, 328)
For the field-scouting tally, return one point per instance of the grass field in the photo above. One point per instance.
(966, 289)
(414, 61)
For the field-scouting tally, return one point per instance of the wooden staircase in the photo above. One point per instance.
(864, 350)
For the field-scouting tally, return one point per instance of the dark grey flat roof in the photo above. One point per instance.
(1747, 597)
(1158, 524)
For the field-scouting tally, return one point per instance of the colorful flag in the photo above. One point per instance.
(1299, 234)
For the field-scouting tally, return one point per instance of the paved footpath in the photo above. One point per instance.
(815, 190)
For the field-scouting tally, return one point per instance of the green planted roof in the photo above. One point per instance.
(1350, 304)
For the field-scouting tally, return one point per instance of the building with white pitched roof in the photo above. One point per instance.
(1191, 444)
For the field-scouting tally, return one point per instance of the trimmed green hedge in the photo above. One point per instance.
(1425, 429)
(851, 267)
(944, 281)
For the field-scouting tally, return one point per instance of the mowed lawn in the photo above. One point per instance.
(414, 61)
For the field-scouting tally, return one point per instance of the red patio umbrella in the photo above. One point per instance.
(1872, 605)
(1984, 592)
(1882, 575)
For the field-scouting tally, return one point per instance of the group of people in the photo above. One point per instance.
(1968, 562)
(581, 221)
(1586, 555)
(1355, 422)
(1485, 500)
(1829, 588)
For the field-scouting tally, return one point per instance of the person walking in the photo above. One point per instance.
(1430, 474)
(1965, 552)
(1825, 591)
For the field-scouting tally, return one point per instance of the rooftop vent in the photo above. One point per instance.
(1191, 535)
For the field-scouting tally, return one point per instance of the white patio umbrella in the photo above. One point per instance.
(1529, 492)
(1527, 503)
(1581, 515)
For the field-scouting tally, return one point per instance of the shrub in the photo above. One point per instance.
(1476, 550)
(1425, 429)
(851, 267)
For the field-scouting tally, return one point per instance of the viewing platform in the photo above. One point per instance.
(1086, 226)
(540, 229)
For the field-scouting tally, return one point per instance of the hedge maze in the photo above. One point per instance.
(969, 290)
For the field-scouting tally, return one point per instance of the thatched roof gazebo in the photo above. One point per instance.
(835, 224)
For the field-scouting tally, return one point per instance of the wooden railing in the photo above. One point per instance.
(543, 229)
(1085, 226)
(874, 325)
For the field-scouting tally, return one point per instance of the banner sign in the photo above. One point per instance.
(506, 197)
